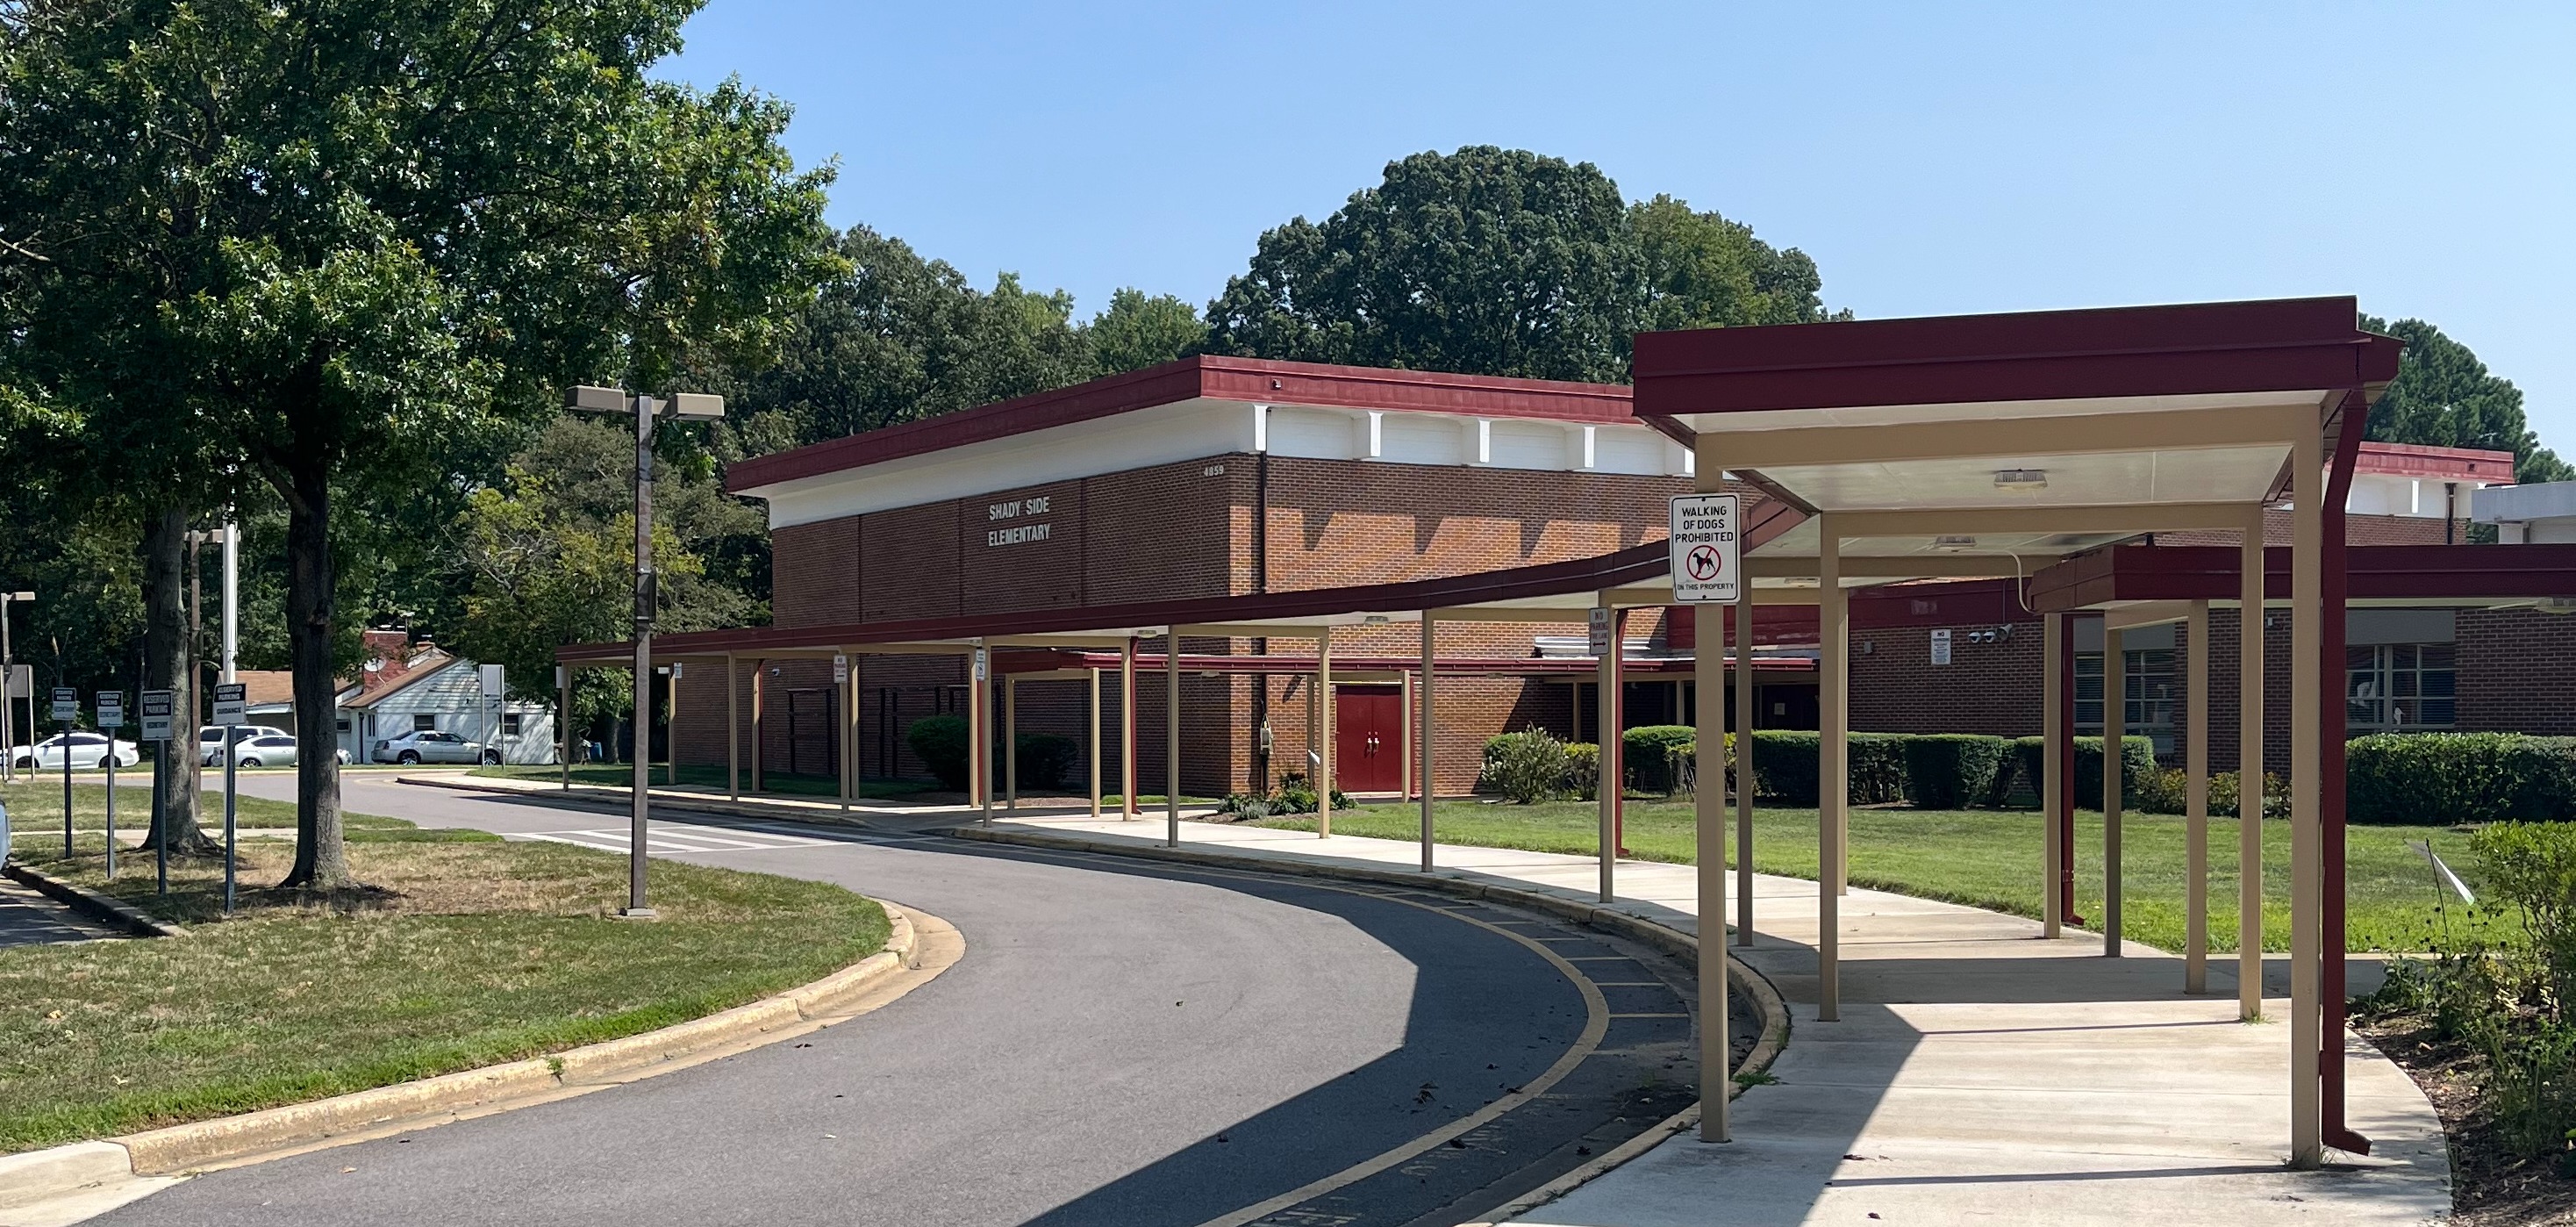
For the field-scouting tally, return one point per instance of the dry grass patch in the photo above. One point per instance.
(466, 951)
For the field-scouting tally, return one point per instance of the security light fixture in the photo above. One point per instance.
(1375, 619)
(587, 399)
(2021, 481)
(696, 406)
(1954, 545)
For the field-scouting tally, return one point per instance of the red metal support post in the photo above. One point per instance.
(2330, 781)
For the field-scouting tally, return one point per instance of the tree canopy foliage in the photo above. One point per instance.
(2444, 396)
(897, 338)
(1502, 262)
(321, 246)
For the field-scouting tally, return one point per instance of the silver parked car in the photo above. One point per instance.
(269, 749)
(432, 746)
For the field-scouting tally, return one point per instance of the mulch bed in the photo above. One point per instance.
(2489, 1186)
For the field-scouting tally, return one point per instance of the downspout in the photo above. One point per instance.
(2336, 586)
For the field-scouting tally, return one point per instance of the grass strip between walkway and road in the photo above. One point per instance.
(1991, 859)
(622, 775)
(467, 951)
(36, 810)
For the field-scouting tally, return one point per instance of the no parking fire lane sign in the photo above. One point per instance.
(1707, 557)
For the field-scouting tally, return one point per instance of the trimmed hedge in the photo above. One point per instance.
(1649, 760)
(1784, 766)
(2030, 757)
(1952, 770)
(940, 743)
(1046, 760)
(2459, 777)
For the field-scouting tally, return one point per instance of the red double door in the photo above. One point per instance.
(1368, 738)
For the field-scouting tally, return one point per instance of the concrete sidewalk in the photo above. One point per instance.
(1980, 1073)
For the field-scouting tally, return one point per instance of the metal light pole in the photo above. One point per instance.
(687, 407)
(8, 675)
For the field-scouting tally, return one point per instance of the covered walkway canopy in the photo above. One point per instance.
(1884, 451)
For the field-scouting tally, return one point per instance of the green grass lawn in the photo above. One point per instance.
(36, 810)
(1990, 859)
(473, 952)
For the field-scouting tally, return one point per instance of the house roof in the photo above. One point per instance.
(423, 667)
(266, 687)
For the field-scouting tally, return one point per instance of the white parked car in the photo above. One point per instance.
(269, 748)
(431, 746)
(88, 752)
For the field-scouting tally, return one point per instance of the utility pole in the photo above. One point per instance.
(687, 407)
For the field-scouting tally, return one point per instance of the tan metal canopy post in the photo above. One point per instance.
(1011, 742)
(979, 731)
(1428, 736)
(1172, 738)
(847, 684)
(563, 721)
(2195, 769)
(2053, 659)
(2249, 771)
(2307, 599)
(1127, 730)
(1404, 739)
(671, 742)
(733, 729)
(1744, 780)
(1708, 806)
(2115, 778)
(1323, 735)
(1605, 720)
(759, 667)
(1095, 743)
(1833, 774)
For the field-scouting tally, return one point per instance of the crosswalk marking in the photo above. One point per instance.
(680, 838)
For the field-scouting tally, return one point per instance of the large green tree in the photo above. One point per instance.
(1502, 262)
(2445, 397)
(895, 338)
(327, 242)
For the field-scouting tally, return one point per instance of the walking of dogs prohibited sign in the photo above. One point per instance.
(1707, 554)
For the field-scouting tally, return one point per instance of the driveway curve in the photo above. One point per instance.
(1123, 1043)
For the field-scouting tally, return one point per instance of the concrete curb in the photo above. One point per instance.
(598, 794)
(61, 1171)
(1765, 997)
(91, 904)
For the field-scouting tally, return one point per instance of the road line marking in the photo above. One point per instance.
(1596, 1026)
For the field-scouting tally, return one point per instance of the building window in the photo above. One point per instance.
(509, 724)
(422, 722)
(2394, 687)
(344, 726)
(2149, 708)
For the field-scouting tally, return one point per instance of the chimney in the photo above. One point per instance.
(390, 645)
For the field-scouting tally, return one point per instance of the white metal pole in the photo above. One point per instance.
(2115, 772)
(232, 597)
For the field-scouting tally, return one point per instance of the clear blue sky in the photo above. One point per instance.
(1932, 158)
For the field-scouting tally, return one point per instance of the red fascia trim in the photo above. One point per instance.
(1039, 660)
(2197, 348)
(2377, 572)
(1193, 378)
(2446, 463)
(1629, 566)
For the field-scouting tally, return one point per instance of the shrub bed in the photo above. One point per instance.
(1649, 750)
(2459, 777)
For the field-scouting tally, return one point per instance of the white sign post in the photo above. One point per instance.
(66, 704)
(1941, 646)
(1598, 623)
(111, 717)
(1707, 550)
(232, 710)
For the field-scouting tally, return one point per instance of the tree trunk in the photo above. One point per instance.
(170, 663)
(321, 858)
